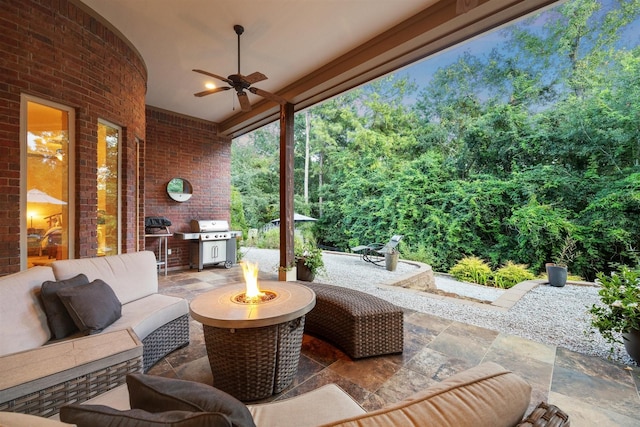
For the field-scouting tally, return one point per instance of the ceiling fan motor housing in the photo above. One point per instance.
(241, 83)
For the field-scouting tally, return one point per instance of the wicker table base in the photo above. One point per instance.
(254, 363)
(253, 347)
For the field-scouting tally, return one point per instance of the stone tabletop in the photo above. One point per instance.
(218, 308)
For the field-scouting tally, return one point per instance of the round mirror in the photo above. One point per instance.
(179, 189)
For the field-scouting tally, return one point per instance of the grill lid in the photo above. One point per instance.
(156, 222)
(208, 225)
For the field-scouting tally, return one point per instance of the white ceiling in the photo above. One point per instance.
(308, 49)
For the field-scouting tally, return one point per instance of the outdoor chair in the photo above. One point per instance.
(375, 252)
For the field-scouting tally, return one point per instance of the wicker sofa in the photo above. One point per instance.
(484, 396)
(156, 324)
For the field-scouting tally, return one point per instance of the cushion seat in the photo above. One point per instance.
(148, 314)
(486, 395)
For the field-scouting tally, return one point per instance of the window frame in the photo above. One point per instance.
(25, 99)
(119, 181)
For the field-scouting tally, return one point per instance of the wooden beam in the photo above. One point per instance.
(442, 24)
(286, 270)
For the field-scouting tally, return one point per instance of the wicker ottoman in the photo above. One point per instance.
(360, 324)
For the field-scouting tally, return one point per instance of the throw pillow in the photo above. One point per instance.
(92, 307)
(104, 416)
(157, 394)
(59, 320)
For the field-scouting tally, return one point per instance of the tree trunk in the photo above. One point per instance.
(320, 184)
(306, 158)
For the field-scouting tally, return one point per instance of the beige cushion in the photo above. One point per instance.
(148, 314)
(484, 396)
(487, 395)
(131, 276)
(11, 419)
(326, 404)
(23, 323)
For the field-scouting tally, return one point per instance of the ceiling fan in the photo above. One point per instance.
(241, 83)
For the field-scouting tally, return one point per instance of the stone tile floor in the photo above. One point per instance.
(593, 391)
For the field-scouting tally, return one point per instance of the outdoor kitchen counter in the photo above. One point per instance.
(253, 348)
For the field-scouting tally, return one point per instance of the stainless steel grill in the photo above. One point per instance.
(212, 243)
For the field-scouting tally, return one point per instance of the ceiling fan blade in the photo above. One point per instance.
(215, 76)
(254, 77)
(270, 96)
(210, 91)
(245, 105)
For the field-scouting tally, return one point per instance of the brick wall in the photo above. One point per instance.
(184, 147)
(57, 51)
(54, 50)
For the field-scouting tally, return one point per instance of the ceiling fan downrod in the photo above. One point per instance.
(239, 29)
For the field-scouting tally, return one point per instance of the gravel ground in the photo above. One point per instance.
(546, 314)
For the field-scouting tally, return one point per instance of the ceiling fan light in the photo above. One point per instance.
(210, 85)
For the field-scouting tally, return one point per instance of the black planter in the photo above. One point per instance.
(303, 272)
(557, 275)
(631, 342)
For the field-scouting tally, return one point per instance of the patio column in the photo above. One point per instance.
(286, 272)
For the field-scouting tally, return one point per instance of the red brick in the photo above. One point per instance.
(54, 50)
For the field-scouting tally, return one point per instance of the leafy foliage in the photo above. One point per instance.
(269, 239)
(311, 256)
(472, 269)
(502, 155)
(238, 221)
(510, 274)
(619, 308)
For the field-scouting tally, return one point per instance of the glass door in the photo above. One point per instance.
(47, 145)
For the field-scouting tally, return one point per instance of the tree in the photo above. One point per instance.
(502, 155)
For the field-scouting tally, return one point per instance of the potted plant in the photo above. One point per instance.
(308, 261)
(557, 270)
(617, 316)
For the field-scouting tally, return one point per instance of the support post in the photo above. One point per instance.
(287, 268)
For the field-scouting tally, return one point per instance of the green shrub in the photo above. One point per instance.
(270, 239)
(420, 253)
(511, 274)
(471, 269)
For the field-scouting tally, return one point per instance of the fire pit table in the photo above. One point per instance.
(253, 347)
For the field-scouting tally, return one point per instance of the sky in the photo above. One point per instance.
(423, 71)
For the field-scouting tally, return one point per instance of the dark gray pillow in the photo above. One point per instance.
(104, 416)
(92, 307)
(157, 394)
(58, 318)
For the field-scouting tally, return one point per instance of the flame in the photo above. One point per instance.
(250, 272)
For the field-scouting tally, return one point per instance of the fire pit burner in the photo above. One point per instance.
(265, 296)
